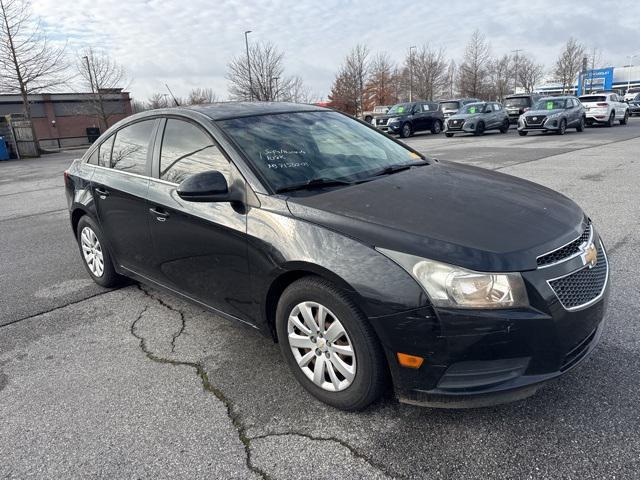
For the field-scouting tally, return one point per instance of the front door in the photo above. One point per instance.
(119, 192)
(200, 249)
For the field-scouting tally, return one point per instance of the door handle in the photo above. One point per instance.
(160, 214)
(102, 192)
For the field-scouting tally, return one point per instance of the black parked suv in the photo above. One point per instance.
(405, 119)
(366, 261)
(516, 105)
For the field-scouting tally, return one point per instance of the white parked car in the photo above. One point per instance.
(631, 94)
(604, 108)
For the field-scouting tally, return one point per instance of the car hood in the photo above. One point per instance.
(547, 113)
(458, 214)
(387, 116)
(464, 116)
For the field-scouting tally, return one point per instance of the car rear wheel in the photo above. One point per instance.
(448, 134)
(612, 119)
(580, 127)
(479, 129)
(505, 127)
(625, 118)
(522, 134)
(406, 131)
(95, 254)
(329, 345)
(562, 129)
(437, 127)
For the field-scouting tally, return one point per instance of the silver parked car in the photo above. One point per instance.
(477, 118)
(553, 114)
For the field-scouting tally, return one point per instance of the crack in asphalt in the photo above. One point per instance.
(235, 417)
(53, 309)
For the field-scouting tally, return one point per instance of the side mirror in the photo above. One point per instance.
(208, 186)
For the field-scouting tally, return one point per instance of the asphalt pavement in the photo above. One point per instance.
(134, 383)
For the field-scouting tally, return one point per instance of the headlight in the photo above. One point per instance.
(457, 287)
(393, 119)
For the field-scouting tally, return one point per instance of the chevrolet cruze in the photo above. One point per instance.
(371, 265)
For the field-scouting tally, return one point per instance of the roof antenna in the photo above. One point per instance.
(172, 96)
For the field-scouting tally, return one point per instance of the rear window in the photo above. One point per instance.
(449, 105)
(593, 98)
(517, 102)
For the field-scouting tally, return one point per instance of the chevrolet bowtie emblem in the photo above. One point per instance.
(590, 255)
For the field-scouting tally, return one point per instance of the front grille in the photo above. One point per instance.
(578, 352)
(539, 120)
(565, 252)
(381, 121)
(455, 124)
(583, 286)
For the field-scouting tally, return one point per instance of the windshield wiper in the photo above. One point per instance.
(314, 183)
(398, 168)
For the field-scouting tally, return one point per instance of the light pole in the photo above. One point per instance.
(515, 84)
(411, 72)
(246, 44)
(630, 57)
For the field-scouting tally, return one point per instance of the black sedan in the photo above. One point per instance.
(634, 106)
(405, 119)
(363, 259)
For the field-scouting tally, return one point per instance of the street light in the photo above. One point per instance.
(411, 72)
(246, 43)
(630, 57)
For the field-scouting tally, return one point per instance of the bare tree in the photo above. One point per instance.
(569, 64)
(28, 62)
(529, 73)
(344, 94)
(199, 96)
(500, 76)
(158, 100)
(452, 71)
(356, 68)
(102, 75)
(429, 72)
(296, 92)
(267, 81)
(473, 71)
(380, 88)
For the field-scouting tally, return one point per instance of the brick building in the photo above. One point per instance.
(66, 116)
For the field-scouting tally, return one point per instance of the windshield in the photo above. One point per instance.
(593, 98)
(449, 105)
(401, 108)
(550, 104)
(380, 109)
(517, 102)
(293, 148)
(473, 108)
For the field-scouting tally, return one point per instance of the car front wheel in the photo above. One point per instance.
(329, 345)
(405, 131)
(562, 129)
(580, 127)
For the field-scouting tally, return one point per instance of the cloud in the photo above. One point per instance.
(188, 43)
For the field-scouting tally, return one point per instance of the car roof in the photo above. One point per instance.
(226, 110)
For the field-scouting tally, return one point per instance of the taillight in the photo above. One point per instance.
(66, 178)
(602, 104)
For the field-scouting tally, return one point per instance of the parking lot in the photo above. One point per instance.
(136, 383)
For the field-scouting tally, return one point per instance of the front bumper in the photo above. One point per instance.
(548, 125)
(390, 127)
(475, 358)
(468, 126)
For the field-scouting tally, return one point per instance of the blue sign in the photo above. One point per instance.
(595, 80)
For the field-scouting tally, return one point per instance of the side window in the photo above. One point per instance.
(93, 158)
(187, 149)
(104, 152)
(131, 146)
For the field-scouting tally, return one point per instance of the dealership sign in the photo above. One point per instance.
(595, 80)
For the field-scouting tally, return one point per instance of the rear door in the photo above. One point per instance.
(119, 190)
(200, 248)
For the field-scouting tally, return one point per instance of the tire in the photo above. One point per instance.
(406, 130)
(479, 129)
(370, 377)
(580, 127)
(505, 127)
(368, 119)
(87, 234)
(437, 127)
(562, 129)
(522, 134)
(625, 119)
(612, 119)
(447, 134)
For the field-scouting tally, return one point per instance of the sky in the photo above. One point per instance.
(188, 43)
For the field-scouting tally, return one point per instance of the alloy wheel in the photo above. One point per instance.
(321, 346)
(92, 251)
